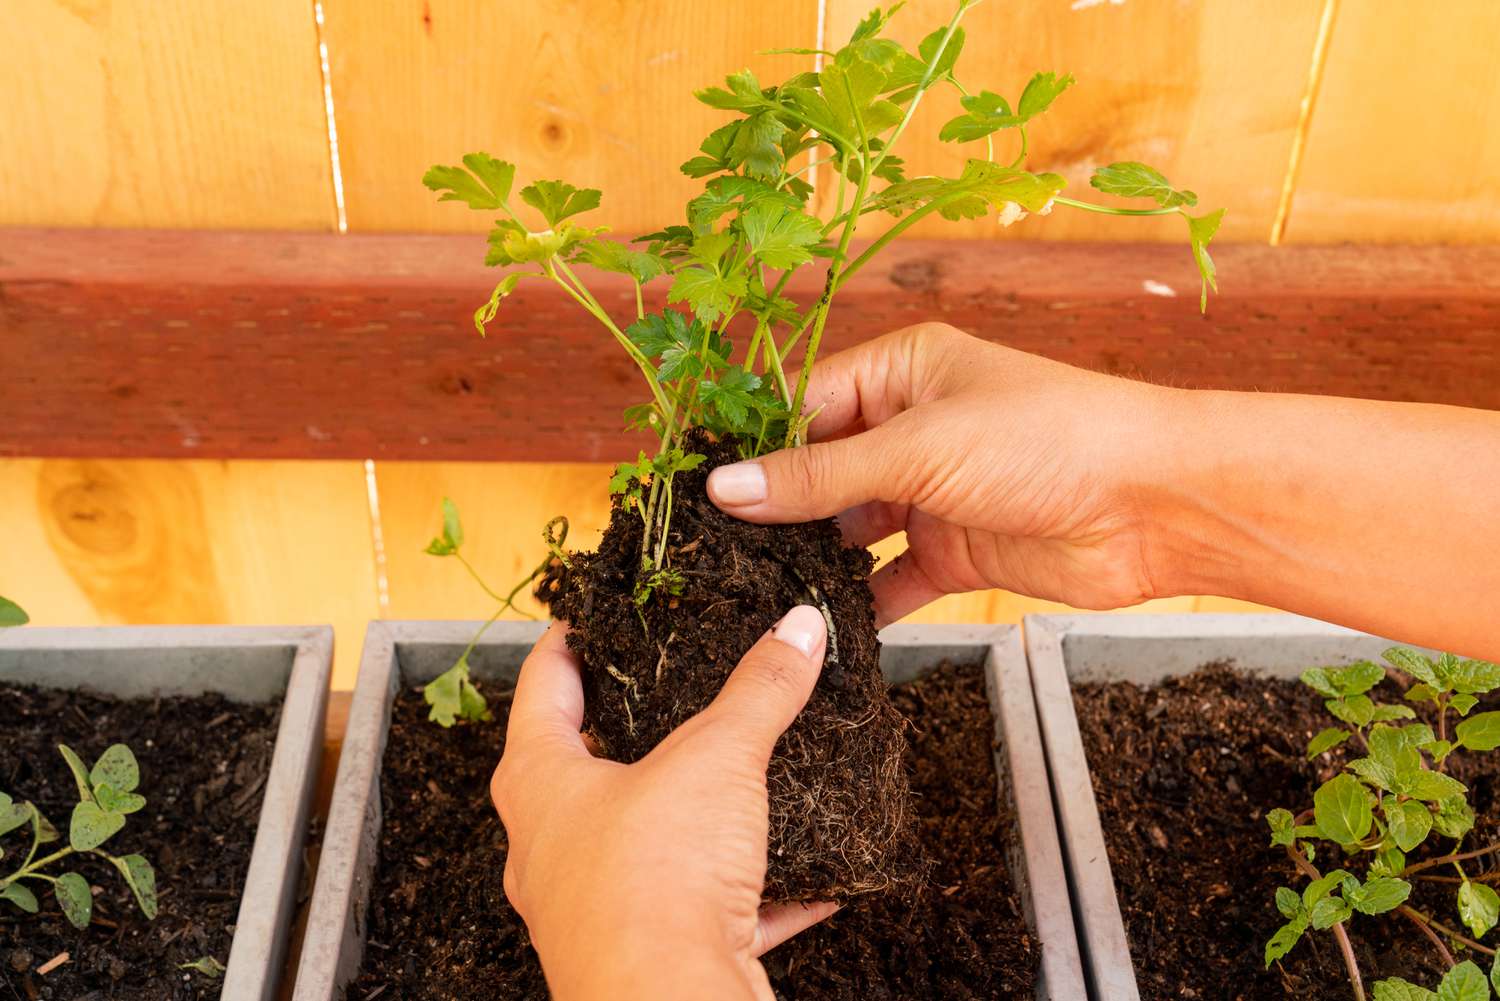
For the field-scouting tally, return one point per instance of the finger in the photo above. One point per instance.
(772, 682)
(867, 384)
(779, 922)
(900, 588)
(547, 709)
(818, 480)
(867, 524)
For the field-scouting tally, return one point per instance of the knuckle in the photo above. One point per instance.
(812, 469)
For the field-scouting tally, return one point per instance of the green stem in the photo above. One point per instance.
(475, 574)
(926, 82)
(584, 298)
(1110, 209)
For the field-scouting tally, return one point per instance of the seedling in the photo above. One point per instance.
(12, 614)
(106, 796)
(1384, 806)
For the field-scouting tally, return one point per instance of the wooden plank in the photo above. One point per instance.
(1206, 92)
(1405, 140)
(598, 94)
(313, 346)
(103, 542)
(163, 113)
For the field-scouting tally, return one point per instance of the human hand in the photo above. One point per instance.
(644, 880)
(1004, 469)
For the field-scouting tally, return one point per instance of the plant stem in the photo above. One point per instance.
(1445, 859)
(1417, 915)
(1111, 210)
(29, 870)
(585, 299)
(1416, 919)
(1351, 965)
(477, 579)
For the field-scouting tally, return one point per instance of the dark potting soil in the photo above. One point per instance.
(440, 928)
(203, 763)
(1184, 773)
(841, 820)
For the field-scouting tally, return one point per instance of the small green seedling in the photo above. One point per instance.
(206, 965)
(452, 694)
(12, 614)
(1384, 806)
(106, 796)
(755, 225)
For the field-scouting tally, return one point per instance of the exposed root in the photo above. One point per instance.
(629, 683)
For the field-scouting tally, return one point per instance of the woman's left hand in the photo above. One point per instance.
(645, 880)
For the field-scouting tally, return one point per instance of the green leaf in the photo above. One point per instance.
(1319, 888)
(452, 696)
(1463, 703)
(729, 394)
(1439, 749)
(485, 185)
(452, 535)
(1131, 179)
(1342, 808)
(1326, 740)
(92, 825)
(80, 773)
(1328, 912)
(1479, 733)
(1384, 713)
(1389, 862)
(1288, 902)
(927, 49)
(12, 614)
(709, 293)
(1356, 710)
(118, 802)
(141, 879)
(1495, 975)
(13, 815)
(1201, 230)
(1479, 907)
(1281, 821)
(1380, 774)
(1378, 895)
(1455, 817)
(988, 112)
(981, 187)
(1287, 936)
(757, 145)
(1421, 692)
(207, 965)
(75, 898)
(116, 767)
(608, 255)
(1431, 786)
(1408, 821)
(850, 86)
(743, 93)
(726, 194)
(779, 236)
(1396, 989)
(1473, 677)
(512, 243)
(557, 200)
(485, 314)
(20, 896)
(1465, 982)
(1414, 664)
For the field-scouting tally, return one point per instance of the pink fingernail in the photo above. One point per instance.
(737, 485)
(803, 627)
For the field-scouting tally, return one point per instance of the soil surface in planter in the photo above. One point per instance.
(440, 927)
(841, 820)
(1184, 773)
(204, 763)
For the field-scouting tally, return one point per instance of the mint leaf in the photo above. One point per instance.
(485, 185)
(1414, 664)
(1288, 902)
(1396, 989)
(1474, 677)
(1342, 809)
(1326, 740)
(1481, 732)
(1455, 817)
(1465, 982)
(1281, 822)
(1431, 786)
(1479, 907)
(1287, 936)
(1408, 821)
(1131, 179)
(1378, 895)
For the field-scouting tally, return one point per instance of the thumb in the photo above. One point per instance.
(813, 481)
(772, 682)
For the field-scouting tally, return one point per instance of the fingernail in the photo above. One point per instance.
(737, 485)
(803, 627)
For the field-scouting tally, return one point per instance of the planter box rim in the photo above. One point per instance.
(263, 923)
(332, 949)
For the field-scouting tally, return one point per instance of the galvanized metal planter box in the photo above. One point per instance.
(398, 655)
(289, 665)
(1064, 649)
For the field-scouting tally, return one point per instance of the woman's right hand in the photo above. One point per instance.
(1004, 469)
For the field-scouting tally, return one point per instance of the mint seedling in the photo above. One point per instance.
(106, 796)
(1384, 806)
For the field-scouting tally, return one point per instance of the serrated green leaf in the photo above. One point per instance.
(1287, 936)
(557, 200)
(116, 767)
(743, 93)
(12, 614)
(728, 393)
(1455, 817)
(1409, 822)
(1201, 230)
(1342, 808)
(1356, 710)
(1328, 912)
(709, 293)
(1385, 712)
(1462, 703)
(1479, 907)
(609, 255)
(141, 878)
(1321, 887)
(1414, 664)
(75, 898)
(1378, 773)
(1480, 732)
(1389, 862)
(1465, 982)
(1320, 680)
(1288, 902)
(726, 194)
(1421, 692)
(1132, 179)
(485, 185)
(1396, 989)
(92, 825)
(19, 895)
(988, 112)
(1430, 786)
(1326, 740)
(1378, 895)
(1280, 821)
(757, 146)
(1472, 677)
(779, 236)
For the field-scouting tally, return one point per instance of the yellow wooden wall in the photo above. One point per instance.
(1311, 120)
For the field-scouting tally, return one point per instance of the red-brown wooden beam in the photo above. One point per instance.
(289, 345)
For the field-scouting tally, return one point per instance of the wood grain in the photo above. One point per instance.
(163, 113)
(597, 92)
(103, 542)
(1405, 141)
(1206, 92)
